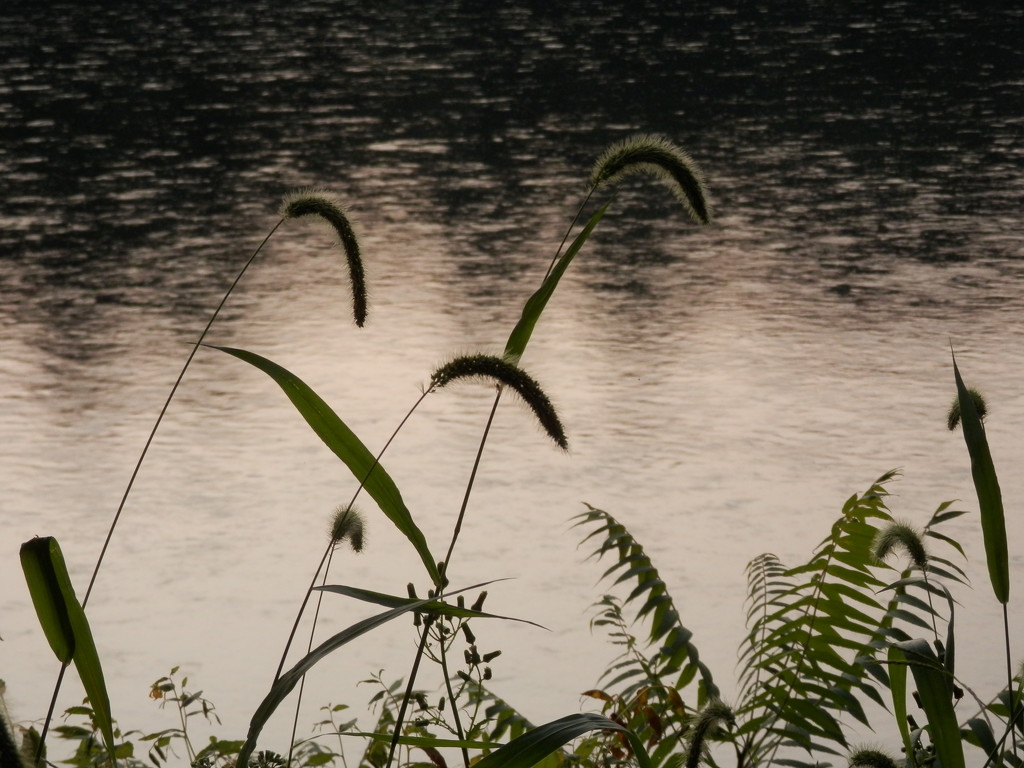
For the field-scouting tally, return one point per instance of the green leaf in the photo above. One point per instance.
(520, 336)
(350, 449)
(990, 500)
(533, 746)
(66, 626)
(288, 680)
(933, 690)
(433, 606)
(39, 558)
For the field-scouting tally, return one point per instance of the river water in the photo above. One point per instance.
(724, 389)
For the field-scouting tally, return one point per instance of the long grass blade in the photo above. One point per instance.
(898, 688)
(990, 500)
(434, 606)
(533, 746)
(933, 689)
(350, 449)
(534, 306)
(286, 682)
(65, 624)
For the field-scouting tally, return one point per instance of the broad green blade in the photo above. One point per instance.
(287, 681)
(395, 601)
(990, 500)
(65, 625)
(520, 335)
(350, 449)
(933, 690)
(533, 746)
(37, 563)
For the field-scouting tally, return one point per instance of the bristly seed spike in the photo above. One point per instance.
(656, 156)
(953, 415)
(315, 202)
(347, 525)
(505, 373)
(900, 535)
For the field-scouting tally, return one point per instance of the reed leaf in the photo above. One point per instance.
(286, 682)
(658, 157)
(533, 746)
(932, 685)
(434, 606)
(986, 484)
(898, 690)
(65, 625)
(534, 307)
(350, 449)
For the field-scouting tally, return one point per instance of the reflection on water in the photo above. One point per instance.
(725, 389)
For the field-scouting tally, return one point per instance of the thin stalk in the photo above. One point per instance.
(497, 399)
(309, 647)
(451, 698)
(408, 690)
(49, 715)
(167, 403)
(465, 503)
(565, 237)
(330, 546)
(184, 727)
(469, 485)
(1014, 706)
(142, 457)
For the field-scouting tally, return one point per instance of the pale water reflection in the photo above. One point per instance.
(724, 389)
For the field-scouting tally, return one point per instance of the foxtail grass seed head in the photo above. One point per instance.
(953, 417)
(658, 157)
(716, 714)
(325, 206)
(899, 536)
(347, 525)
(869, 757)
(508, 374)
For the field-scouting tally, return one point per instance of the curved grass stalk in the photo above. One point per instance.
(146, 446)
(167, 403)
(694, 199)
(324, 566)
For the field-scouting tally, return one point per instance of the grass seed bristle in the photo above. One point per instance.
(658, 157)
(506, 373)
(901, 536)
(325, 206)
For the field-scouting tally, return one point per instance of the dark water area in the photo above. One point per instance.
(127, 131)
(866, 165)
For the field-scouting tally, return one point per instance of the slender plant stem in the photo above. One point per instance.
(404, 706)
(330, 546)
(469, 485)
(167, 403)
(1009, 678)
(565, 237)
(469, 490)
(309, 647)
(452, 699)
(145, 450)
(49, 714)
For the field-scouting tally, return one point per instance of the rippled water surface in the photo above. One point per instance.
(724, 388)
